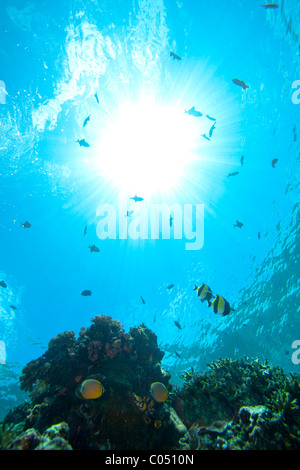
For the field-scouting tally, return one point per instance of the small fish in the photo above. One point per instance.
(295, 132)
(83, 143)
(204, 292)
(2, 284)
(211, 130)
(193, 112)
(205, 136)
(209, 117)
(171, 221)
(85, 230)
(93, 248)
(85, 293)
(177, 324)
(170, 286)
(86, 121)
(234, 173)
(258, 235)
(221, 306)
(238, 224)
(274, 162)
(13, 307)
(139, 402)
(137, 198)
(271, 6)
(26, 224)
(129, 213)
(242, 160)
(142, 300)
(174, 56)
(96, 96)
(177, 354)
(240, 83)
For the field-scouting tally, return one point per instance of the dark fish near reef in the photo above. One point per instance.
(204, 292)
(96, 96)
(240, 83)
(142, 300)
(193, 112)
(209, 117)
(13, 307)
(270, 6)
(2, 284)
(85, 293)
(174, 56)
(93, 248)
(170, 286)
(221, 306)
(26, 224)
(82, 143)
(139, 402)
(242, 160)
(137, 198)
(177, 354)
(177, 324)
(234, 173)
(274, 162)
(238, 224)
(86, 121)
(159, 392)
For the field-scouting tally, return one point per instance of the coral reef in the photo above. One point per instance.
(235, 404)
(239, 404)
(126, 364)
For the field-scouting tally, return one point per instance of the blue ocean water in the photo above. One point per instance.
(54, 58)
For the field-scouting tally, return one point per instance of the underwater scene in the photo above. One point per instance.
(150, 210)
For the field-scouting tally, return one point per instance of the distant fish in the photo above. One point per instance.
(174, 56)
(178, 355)
(129, 213)
(96, 96)
(220, 306)
(86, 293)
(93, 248)
(238, 224)
(193, 112)
(274, 162)
(258, 235)
(26, 224)
(142, 300)
(209, 117)
(204, 292)
(2, 284)
(85, 230)
(242, 160)
(205, 136)
(13, 307)
(171, 221)
(211, 130)
(137, 198)
(240, 83)
(170, 286)
(178, 325)
(83, 143)
(86, 121)
(295, 132)
(271, 6)
(234, 173)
